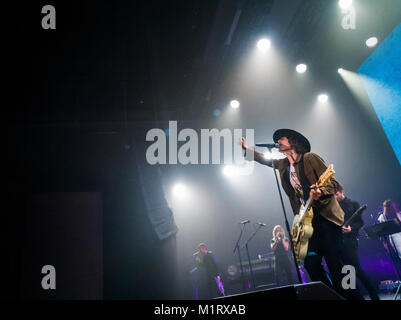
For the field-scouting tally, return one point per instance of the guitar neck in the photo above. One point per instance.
(354, 215)
(322, 181)
(308, 203)
(306, 207)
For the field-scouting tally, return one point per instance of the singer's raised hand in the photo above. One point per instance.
(243, 143)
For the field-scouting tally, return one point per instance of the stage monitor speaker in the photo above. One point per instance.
(309, 291)
(156, 206)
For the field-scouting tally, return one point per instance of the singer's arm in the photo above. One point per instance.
(273, 244)
(252, 154)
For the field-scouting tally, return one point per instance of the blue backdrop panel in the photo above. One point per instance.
(381, 75)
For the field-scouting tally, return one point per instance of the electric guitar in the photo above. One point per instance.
(354, 215)
(302, 229)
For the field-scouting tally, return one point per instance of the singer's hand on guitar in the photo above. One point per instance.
(347, 229)
(243, 143)
(315, 193)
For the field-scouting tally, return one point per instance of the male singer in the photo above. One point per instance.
(299, 173)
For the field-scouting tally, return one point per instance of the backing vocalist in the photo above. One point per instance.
(280, 245)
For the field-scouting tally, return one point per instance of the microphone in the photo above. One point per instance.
(268, 145)
(245, 222)
(261, 224)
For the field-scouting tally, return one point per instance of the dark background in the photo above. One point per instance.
(83, 96)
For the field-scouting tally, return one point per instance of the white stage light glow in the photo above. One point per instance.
(268, 155)
(264, 44)
(180, 190)
(301, 68)
(229, 171)
(371, 42)
(345, 4)
(234, 104)
(323, 98)
(340, 70)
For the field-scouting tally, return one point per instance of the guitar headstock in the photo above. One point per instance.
(326, 176)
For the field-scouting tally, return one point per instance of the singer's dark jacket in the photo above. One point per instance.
(209, 264)
(313, 167)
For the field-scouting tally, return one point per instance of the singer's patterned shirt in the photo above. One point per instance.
(327, 206)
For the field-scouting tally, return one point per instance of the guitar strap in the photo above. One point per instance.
(287, 184)
(303, 179)
(305, 189)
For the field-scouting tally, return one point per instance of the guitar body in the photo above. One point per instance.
(302, 231)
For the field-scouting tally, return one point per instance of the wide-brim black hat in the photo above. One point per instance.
(288, 133)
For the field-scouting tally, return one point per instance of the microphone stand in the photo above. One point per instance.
(286, 221)
(239, 257)
(249, 259)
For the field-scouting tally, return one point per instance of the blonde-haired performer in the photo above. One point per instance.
(280, 245)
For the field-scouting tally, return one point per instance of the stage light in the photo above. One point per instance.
(301, 68)
(264, 44)
(371, 42)
(229, 171)
(179, 190)
(340, 70)
(234, 104)
(344, 4)
(268, 155)
(323, 98)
